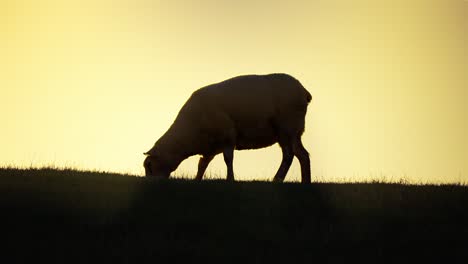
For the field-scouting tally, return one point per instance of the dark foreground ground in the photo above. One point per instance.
(70, 217)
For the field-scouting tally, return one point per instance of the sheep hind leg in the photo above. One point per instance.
(202, 165)
(303, 156)
(228, 154)
(285, 163)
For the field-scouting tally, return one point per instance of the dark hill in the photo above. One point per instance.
(69, 216)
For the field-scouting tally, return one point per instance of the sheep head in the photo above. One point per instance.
(156, 166)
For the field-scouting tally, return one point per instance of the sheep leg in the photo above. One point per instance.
(285, 163)
(301, 153)
(202, 165)
(228, 154)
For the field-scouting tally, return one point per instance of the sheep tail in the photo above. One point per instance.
(308, 96)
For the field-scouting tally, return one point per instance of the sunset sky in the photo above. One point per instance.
(93, 84)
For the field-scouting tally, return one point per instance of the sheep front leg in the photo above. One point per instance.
(202, 165)
(228, 154)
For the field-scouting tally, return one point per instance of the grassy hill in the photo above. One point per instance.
(71, 216)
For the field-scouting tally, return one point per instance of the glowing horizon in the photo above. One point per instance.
(93, 84)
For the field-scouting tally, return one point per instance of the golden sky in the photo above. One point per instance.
(93, 84)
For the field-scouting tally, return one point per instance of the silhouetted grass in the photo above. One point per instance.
(72, 216)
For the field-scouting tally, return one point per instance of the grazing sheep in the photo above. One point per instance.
(245, 112)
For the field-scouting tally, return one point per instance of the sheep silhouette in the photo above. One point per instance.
(244, 112)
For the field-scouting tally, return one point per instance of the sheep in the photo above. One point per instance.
(244, 112)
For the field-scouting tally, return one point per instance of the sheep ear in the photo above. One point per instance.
(149, 153)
